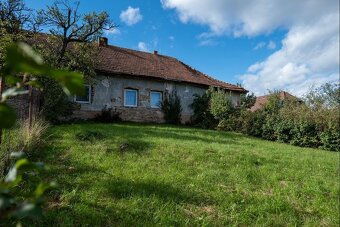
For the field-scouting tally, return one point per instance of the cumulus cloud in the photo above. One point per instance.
(131, 16)
(309, 51)
(143, 47)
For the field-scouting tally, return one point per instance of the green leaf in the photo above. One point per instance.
(25, 165)
(22, 58)
(7, 116)
(72, 82)
(34, 83)
(28, 210)
(12, 80)
(42, 188)
(13, 92)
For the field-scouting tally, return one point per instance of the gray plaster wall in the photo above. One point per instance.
(109, 91)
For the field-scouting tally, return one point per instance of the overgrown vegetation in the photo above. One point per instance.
(107, 115)
(202, 117)
(22, 191)
(172, 108)
(161, 175)
(313, 122)
(22, 137)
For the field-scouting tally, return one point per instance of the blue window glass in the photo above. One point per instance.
(130, 97)
(155, 99)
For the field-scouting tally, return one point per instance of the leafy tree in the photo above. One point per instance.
(70, 45)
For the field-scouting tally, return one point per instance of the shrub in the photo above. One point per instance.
(171, 107)
(220, 105)
(268, 127)
(55, 103)
(330, 140)
(107, 115)
(284, 130)
(201, 112)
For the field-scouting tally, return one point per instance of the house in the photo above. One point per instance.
(261, 101)
(134, 83)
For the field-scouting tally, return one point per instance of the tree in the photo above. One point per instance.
(70, 46)
(70, 26)
(247, 100)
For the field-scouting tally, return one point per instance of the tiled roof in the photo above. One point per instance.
(117, 60)
(262, 100)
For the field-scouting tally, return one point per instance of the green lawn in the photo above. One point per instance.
(134, 175)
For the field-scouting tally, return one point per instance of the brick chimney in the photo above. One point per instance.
(102, 41)
(155, 52)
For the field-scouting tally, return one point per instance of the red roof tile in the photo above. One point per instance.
(117, 60)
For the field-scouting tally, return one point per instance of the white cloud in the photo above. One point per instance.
(271, 45)
(208, 42)
(260, 45)
(308, 54)
(131, 16)
(143, 47)
(171, 38)
(248, 17)
(114, 31)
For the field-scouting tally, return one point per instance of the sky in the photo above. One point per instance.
(262, 44)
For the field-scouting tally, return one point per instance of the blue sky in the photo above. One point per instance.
(236, 44)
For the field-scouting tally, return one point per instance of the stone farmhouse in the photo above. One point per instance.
(134, 83)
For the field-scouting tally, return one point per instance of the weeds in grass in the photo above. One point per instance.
(22, 138)
(89, 136)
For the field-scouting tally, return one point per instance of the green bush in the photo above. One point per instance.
(172, 108)
(330, 140)
(220, 105)
(284, 130)
(201, 112)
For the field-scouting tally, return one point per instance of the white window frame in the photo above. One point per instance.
(135, 90)
(161, 93)
(90, 95)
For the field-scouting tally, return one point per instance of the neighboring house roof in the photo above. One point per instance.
(262, 100)
(117, 60)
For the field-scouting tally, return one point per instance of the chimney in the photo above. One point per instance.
(102, 41)
(155, 52)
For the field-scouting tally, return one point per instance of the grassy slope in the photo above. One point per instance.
(180, 176)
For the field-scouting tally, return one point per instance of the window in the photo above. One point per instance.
(155, 99)
(130, 97)
(86, 98)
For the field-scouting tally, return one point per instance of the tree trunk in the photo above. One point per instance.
(30, 109)
(2, 85)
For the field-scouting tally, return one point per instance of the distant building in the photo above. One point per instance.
(261, 101)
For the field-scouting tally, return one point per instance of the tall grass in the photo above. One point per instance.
(22, 138)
